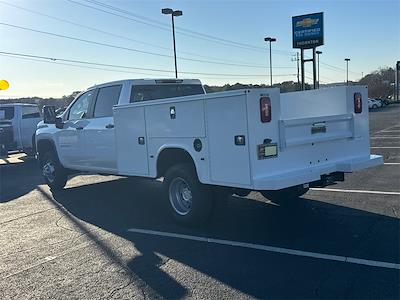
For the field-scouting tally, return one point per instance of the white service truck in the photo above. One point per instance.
(207, 144)
(18, 122)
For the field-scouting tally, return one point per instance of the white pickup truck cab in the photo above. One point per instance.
(18, 123)
(230, 142)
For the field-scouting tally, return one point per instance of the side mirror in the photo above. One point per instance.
(59, 123)
(49, 114)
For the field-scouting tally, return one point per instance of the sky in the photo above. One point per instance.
(217, 41)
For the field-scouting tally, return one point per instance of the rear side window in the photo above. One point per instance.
(106, 99)
(6, 113)
(30, 112)
(153, 91)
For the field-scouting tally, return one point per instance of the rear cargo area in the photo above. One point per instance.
(318, 133)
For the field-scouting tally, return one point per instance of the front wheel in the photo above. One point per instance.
(285, 196)
(374, 106)
(190, 201)
(53, 172)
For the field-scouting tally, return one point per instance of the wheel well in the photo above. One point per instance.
(170, 157)
(44, 146)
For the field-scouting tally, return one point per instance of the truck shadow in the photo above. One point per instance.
(316, 226)
(19, 179)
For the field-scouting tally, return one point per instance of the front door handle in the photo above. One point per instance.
(79, 128)
(109, 126)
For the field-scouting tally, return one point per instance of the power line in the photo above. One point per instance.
(130, 67)
(73, 65)
(163, 26)
(124, 37)
(83, 26)
(124, 48)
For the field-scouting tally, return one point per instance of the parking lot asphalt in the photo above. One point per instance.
(107, 237)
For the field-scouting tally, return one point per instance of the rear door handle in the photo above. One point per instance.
(79, 128)
(109, 126)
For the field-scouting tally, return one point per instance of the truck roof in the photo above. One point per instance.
(149, 81)
(17, 104)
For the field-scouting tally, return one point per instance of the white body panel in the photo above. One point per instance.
(24, 126)
(144, 129)
(217, 118)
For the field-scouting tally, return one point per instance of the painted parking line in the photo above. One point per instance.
(391, 164)
(339, 258)
(385, 147)
(387, 128)
(355, 191)
(385, 137)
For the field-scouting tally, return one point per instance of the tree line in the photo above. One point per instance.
(380, 85)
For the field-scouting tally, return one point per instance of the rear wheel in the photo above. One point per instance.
(285, 196)
(53, 172)
(190, 201)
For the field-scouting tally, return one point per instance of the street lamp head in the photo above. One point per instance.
(347, 59)
(177, 13)
(318, 52)
(270, 39)
(167, 11)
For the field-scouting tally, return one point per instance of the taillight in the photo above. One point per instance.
(265, 109)
(357, 103)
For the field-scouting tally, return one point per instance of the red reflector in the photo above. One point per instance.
(265, 109)
(357, 103)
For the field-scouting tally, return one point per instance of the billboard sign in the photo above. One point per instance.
(308, 30)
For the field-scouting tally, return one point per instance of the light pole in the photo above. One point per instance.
(318, 53)
(270, 40)
(173, 13)
(347, 70)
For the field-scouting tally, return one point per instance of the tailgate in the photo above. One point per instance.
(295, 132)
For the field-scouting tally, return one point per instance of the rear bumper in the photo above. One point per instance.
(310, 174)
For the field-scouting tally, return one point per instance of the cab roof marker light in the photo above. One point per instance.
(169, 81)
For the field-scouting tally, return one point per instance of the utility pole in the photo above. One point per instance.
(318, 53)
(302, 70)
(298, 69)
(397, 83)
(314, 68)
(297, 59)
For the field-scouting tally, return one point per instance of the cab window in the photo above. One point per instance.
(154, 91)
(80, 108)
(6, 112)
(30, 112)
(106, 99)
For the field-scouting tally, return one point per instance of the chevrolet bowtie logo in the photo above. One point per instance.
(308, 22)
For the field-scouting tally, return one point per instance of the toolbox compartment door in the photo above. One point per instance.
(131, 141)
(226, 119)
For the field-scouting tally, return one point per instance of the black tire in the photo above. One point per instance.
(374, 106)
(285, 196)
(180, 182)
(58, 177)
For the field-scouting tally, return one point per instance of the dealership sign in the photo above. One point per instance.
(308, 31)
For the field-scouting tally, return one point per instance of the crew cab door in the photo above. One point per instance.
(100, 134)
(71, 140)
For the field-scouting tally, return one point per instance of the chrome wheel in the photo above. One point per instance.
(180, 196)
(49, 171)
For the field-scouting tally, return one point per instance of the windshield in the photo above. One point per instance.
(6, 113)
(153, 91)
